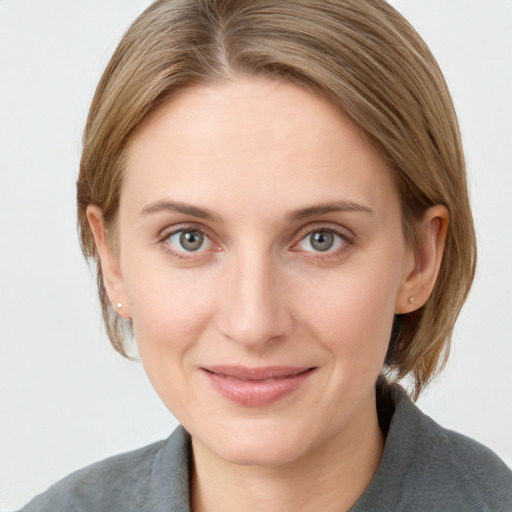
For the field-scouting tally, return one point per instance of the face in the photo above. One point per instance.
(261, 259)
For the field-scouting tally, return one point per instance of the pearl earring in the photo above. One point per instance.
(412, 300)
(119, 305)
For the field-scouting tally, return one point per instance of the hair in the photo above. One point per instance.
(360, 55)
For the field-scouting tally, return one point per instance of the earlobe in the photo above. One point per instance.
(112, 277)
(420, 280)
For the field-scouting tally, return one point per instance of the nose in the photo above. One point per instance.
(254, 310)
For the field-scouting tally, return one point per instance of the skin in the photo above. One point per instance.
(253, 153)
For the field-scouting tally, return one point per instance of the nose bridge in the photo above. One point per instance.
(253, 309)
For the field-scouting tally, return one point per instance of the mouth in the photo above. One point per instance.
(256, 387)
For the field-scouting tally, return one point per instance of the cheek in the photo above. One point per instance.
(352, 313)
(170, 312)
(169, 308)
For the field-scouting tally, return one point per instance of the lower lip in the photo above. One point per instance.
(256, 393)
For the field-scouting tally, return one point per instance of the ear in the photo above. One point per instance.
(421, 274)
(112, 277)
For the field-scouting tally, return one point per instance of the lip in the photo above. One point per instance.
(256, 387)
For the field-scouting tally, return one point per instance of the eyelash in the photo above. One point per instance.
(165, 235)
(347, 241)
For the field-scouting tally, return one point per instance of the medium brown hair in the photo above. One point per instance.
(364, 58)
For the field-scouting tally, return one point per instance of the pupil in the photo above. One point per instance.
(191, 240)
(322, 240)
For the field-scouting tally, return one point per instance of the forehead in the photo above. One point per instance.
(254, 140)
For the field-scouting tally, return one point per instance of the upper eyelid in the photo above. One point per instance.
(338, 230)
(171, 230)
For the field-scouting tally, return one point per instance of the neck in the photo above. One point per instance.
(331, 477)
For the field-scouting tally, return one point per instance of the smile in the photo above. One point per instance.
(256, 387)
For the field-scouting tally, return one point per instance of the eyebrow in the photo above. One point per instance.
(322, 209)
(177, 207)
(165, 205)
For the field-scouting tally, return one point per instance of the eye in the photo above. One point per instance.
(322, 240)
(189, 240)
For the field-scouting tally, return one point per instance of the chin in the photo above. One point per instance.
(259, 454)
(257, 444)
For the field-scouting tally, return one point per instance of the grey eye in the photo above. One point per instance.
(321, 240)
(189, 240)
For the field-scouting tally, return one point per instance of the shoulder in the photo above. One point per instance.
(124, 482)
(446, 468)
(426, 467)
(463, 470)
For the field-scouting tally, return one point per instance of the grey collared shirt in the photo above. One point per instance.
(424, 468)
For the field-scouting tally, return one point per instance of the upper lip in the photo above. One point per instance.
(257, 374)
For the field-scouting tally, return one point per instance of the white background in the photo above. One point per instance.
(66, 399)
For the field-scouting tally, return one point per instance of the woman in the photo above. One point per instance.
(275, 196)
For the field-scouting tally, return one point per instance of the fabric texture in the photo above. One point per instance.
(424, 468)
